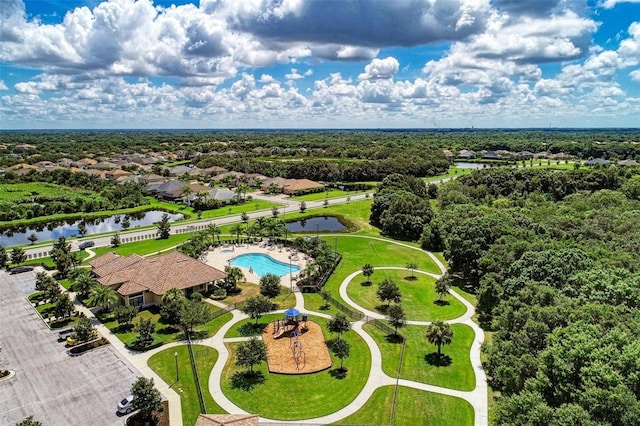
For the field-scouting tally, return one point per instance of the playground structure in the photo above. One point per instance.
(295, 345)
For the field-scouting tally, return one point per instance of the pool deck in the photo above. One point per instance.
(220, 257)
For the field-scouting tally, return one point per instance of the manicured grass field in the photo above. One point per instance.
(358, 251)
(248, 327)
(143, 247)
(164, 333)
(314, 302)
(285, 299)
(452, 172)
(334, 193)
(420, 365)
(413, 407)
(419, 296)
(293, 397)
(26, 191)
(163, 364)
(249, 206)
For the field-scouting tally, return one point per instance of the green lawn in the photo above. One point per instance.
(419, 296)
(293, 397)
(417, 363)
(358, 251)
(143, 247)
(248, 327)
(453, 171)
(284, 300)
(314, 302)
(334, 193)
(249, 206)
(413, 407)
(164, 333)
(163, 364)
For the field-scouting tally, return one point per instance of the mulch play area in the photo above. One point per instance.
(295, 347)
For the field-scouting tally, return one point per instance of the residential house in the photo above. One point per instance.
(466, 154)
(116, 174)
(597, 161)
(302, 185)
(142, 281)
(628, 163)
(233, 176)
(277, 183)
(214, 170)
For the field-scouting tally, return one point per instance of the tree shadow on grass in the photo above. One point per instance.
(442, 302)
(366, 283)
(247, 380)
(411, 278)
(438, 360)
(382, 309)
(338, 373)
(123, 328)
(251, 329)
(394, 338)
(168, 330)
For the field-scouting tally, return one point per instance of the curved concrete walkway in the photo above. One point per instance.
(376, 379)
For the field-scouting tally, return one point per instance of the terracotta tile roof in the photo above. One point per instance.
(97, 262)
(157, 274)
(301, 184)
(227, 419)
(116, 264)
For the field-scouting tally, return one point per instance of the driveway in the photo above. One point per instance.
(49, 384)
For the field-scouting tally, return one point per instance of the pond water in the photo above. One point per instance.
(53, 230)
(316, 224)
(263, 264)
(465, 165)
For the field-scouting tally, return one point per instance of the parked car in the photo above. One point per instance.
(86, 244)
(126, 405)
(21, 269)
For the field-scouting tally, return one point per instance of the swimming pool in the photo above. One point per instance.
(263, 264)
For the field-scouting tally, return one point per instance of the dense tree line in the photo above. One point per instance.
(208, 146)
(401, 207)
(554, 258)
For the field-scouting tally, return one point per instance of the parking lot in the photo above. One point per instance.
(49, 384)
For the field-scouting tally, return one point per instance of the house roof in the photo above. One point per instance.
(227, 419)
(627, 163)
(597, 161)
(302, 184)
(157, 274)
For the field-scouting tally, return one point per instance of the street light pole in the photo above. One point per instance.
(175, 355)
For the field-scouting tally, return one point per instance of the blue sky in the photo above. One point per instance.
(319, 63)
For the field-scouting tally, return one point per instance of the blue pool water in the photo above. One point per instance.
(263, 264)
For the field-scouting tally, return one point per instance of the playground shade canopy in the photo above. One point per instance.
(292, 312)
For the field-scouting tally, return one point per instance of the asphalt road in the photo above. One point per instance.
(56, 389)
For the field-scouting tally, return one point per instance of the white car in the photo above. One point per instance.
(126, 405)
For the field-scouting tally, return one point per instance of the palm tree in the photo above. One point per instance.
(214, 231)
(243, 188)
(102, 295)
(185, 192)
(439, 333)
(260, 225)
(442, 286)
(172, 294)
(237, 229)
(234, 274)
(367, 271)
(84, 283)
(412, 266)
